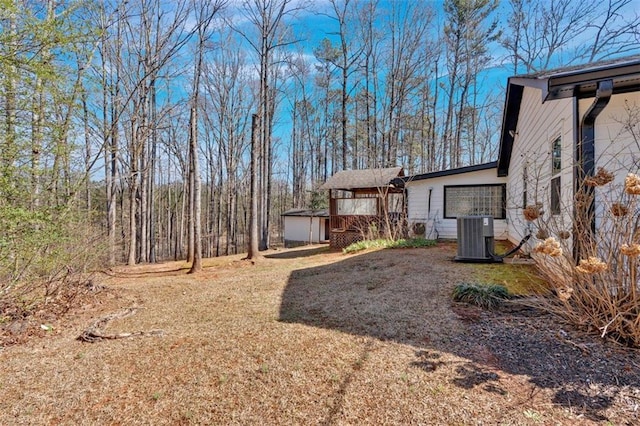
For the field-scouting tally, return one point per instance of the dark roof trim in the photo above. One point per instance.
(582, 81)
(578, 81)
(510, 116)
(450, 172)
(306, 213)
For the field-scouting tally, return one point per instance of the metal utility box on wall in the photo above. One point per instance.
(475, 239)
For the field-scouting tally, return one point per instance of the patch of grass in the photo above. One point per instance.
(483, 295)
(533, 415)
(388, 243)
(520, 280)
(413, 243)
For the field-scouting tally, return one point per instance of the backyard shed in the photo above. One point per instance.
(305, 227)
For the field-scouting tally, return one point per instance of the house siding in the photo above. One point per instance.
(616, 149)
(538, 126)
(435, 223)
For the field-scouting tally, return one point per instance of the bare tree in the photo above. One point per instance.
(407, 27)
(616, 30)
(147, 39)
(469, 29)
(229, 101)
(205, 14)
(542, 34)
(344, 57)
(253, 249)
(267, 17)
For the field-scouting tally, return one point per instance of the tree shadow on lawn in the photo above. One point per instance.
(404, 296)
(295, 253)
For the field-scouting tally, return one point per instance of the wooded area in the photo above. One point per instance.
(144, 130)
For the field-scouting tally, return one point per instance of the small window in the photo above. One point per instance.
(475, 200)
(556, 168)
(556, 157)
(555, 195)
(525, 177)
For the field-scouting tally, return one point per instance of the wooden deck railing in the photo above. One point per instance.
(354, 223)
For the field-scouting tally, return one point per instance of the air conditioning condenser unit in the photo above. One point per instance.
(475, 239)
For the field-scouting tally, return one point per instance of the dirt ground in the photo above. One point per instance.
(308, 336)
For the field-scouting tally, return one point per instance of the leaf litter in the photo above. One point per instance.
(309, 336)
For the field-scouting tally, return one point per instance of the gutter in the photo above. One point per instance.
(585, 160)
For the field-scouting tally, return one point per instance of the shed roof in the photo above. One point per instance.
(306, 213)
(362, 179)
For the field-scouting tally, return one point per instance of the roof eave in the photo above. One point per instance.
(451, 172)
(583, 84)
(510, 115)
(578, 83)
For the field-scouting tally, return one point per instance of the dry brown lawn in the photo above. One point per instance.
(308, 336)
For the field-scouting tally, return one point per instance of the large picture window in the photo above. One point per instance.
(475, 200)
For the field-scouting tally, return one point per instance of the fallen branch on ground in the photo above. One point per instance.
(94, 334)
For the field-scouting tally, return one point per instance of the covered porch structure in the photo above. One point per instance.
(364, 203)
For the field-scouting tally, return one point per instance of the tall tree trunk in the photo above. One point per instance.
(252, 249)
(133, 194)
(196, 199)
(8, 148)
(152, 172)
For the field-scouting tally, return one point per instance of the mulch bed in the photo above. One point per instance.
(594, 376)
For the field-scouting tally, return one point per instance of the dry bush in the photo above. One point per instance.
(47, 263)
(390, 223)
(596, 287)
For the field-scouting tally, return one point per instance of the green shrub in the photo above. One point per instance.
(413, 243)
(46, 257)
(488, 296)
(388, 243)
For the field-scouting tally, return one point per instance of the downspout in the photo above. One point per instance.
(585, 166)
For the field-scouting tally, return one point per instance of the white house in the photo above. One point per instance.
(305, 227)
(558, 127)
(561, 126)
(436, 199)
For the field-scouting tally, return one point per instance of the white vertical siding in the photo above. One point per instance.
(436, 224)
(296, 228)
(538, 126)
